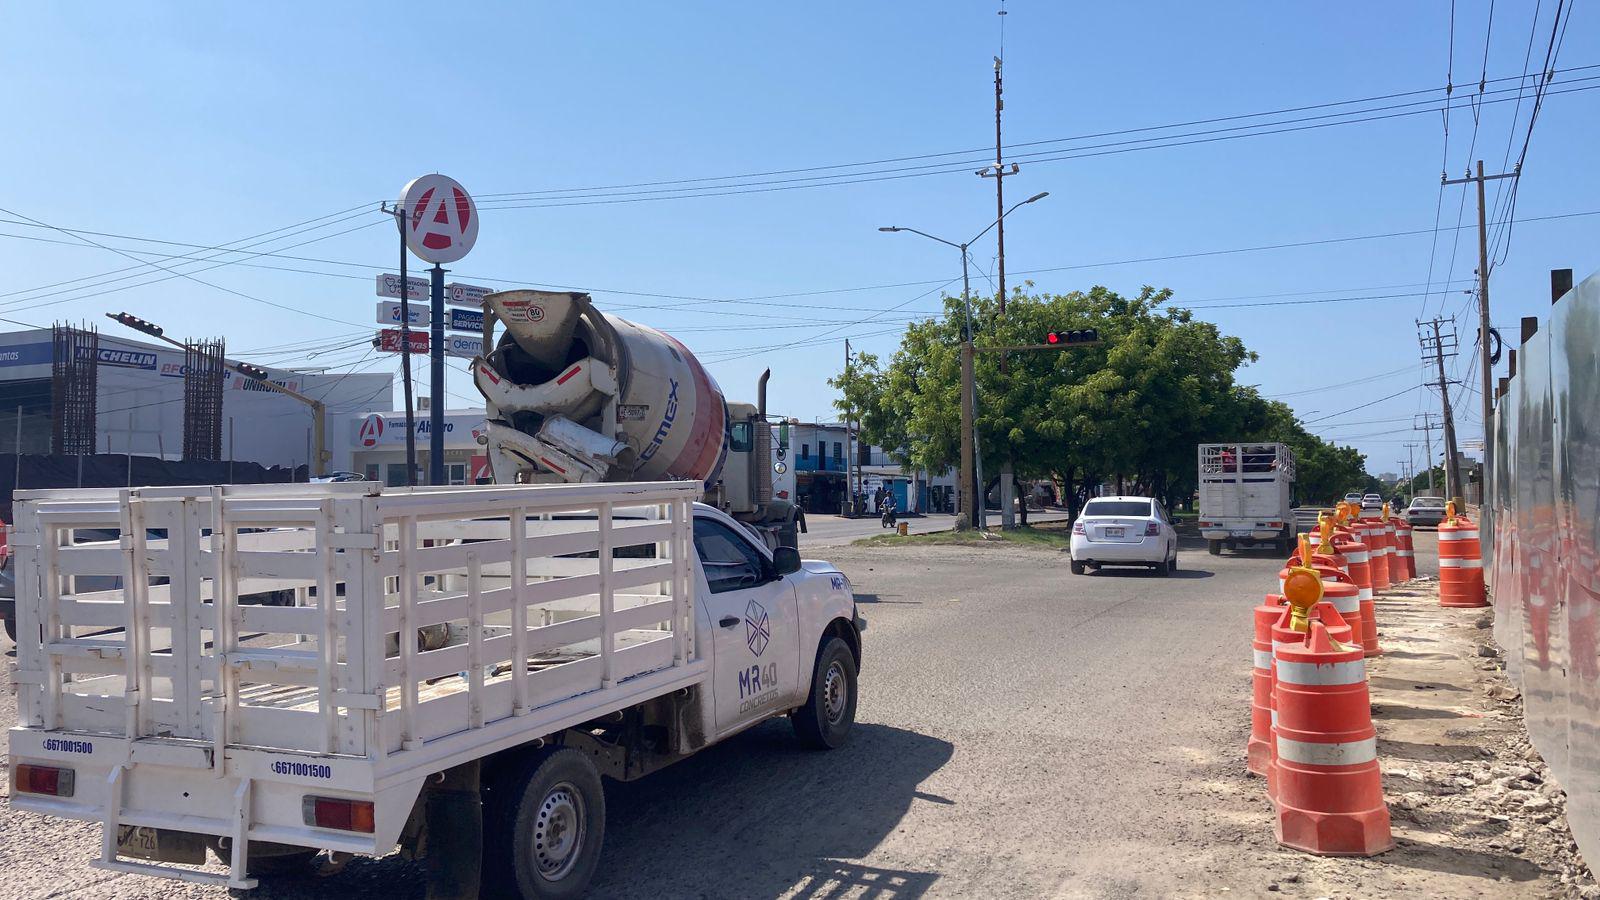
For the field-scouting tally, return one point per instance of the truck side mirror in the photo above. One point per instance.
(785, 560)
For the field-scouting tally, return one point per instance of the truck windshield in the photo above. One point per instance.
(1117, 508)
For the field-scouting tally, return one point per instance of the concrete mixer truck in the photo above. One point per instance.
(576, 395)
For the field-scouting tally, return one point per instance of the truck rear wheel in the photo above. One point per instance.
(1214, 548)
(544, 824)
(824, 722)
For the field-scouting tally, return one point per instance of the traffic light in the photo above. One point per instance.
(1079, 336)
(136, 323)
(250, 371)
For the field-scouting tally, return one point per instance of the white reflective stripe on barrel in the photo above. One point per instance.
(1274, 718)
(1347, 604)
(1349, 672)
(1263, 659)
(1358, 556)
(1469, 534)
(1335, 754)
(1447, 563)
(1365, 594)
(1408, 553)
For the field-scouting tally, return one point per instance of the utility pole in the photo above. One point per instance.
(1411, 469)
(999, 172)
(1487, 387)
(849, 432)
(1439, 345)
(1427, 428)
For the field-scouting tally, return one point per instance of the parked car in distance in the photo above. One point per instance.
(1353, 497)
(1124, 531)
(1372, 501)
(1425, 511)
(338, 477)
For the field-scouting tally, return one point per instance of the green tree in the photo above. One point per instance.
(1131, 408)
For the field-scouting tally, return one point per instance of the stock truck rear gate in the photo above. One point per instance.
(1246, 495)
(174, 704)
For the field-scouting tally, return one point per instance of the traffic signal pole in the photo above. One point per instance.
(319, 410)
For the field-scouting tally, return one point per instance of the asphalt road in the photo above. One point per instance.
(834, 531)
(1022, 732)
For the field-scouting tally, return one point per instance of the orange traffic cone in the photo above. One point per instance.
(1329, 792)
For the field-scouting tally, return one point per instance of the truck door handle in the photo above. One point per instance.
(729, 621)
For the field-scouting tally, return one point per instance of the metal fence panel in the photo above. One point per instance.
(1546, 528)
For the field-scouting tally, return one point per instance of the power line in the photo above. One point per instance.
(867, 177)
(1362, 406)
(723, 181)
(223, 248)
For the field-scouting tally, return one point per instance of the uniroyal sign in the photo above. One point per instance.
(441, 221)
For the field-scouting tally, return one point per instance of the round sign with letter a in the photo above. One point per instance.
(371, 430)
(441, 221)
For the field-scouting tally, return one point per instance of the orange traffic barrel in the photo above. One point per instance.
(1329, 790)
(1284, 631)
(1377, 541)
(1460, 564)
(1360, 559)
(1404, 551)
(1259, 749)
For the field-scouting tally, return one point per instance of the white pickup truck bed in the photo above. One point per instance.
(179, 707)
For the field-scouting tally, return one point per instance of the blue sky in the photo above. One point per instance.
(204, 125)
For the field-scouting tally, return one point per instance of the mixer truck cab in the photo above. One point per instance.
(649, 626)
(576, 395)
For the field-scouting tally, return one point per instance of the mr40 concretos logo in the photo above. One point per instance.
(757, 632)
(758, 684)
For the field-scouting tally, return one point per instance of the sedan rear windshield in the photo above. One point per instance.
(1428, 501)
(1117, 508)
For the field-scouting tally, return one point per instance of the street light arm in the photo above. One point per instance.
(930, 237)
(1039, 196)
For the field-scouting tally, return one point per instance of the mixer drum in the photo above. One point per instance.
(562, 357)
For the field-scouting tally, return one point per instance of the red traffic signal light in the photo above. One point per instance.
(136, 323)
(1079, 336)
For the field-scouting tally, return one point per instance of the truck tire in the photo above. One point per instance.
(11, 630)
(824, 722)
(1077, 567)
(543, 827)
(1214, 548)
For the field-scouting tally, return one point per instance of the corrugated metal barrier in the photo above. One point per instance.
(1545, 522)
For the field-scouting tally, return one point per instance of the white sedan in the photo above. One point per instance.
(1124, 531)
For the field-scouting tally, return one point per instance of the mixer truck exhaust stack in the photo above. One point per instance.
(576, 395)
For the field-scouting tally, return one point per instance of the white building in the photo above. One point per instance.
(139, 403)
(376, 446)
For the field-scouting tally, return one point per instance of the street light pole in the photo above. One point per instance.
(972, 511)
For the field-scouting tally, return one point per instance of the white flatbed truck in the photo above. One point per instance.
(460, 667)
(1246, 496)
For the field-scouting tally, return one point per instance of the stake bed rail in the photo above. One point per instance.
(428, 627)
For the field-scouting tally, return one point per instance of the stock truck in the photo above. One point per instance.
(574, 632)
(1246, 496)
(574, 394)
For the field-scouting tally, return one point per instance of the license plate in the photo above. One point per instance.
(143, 842)
(1115, 532)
